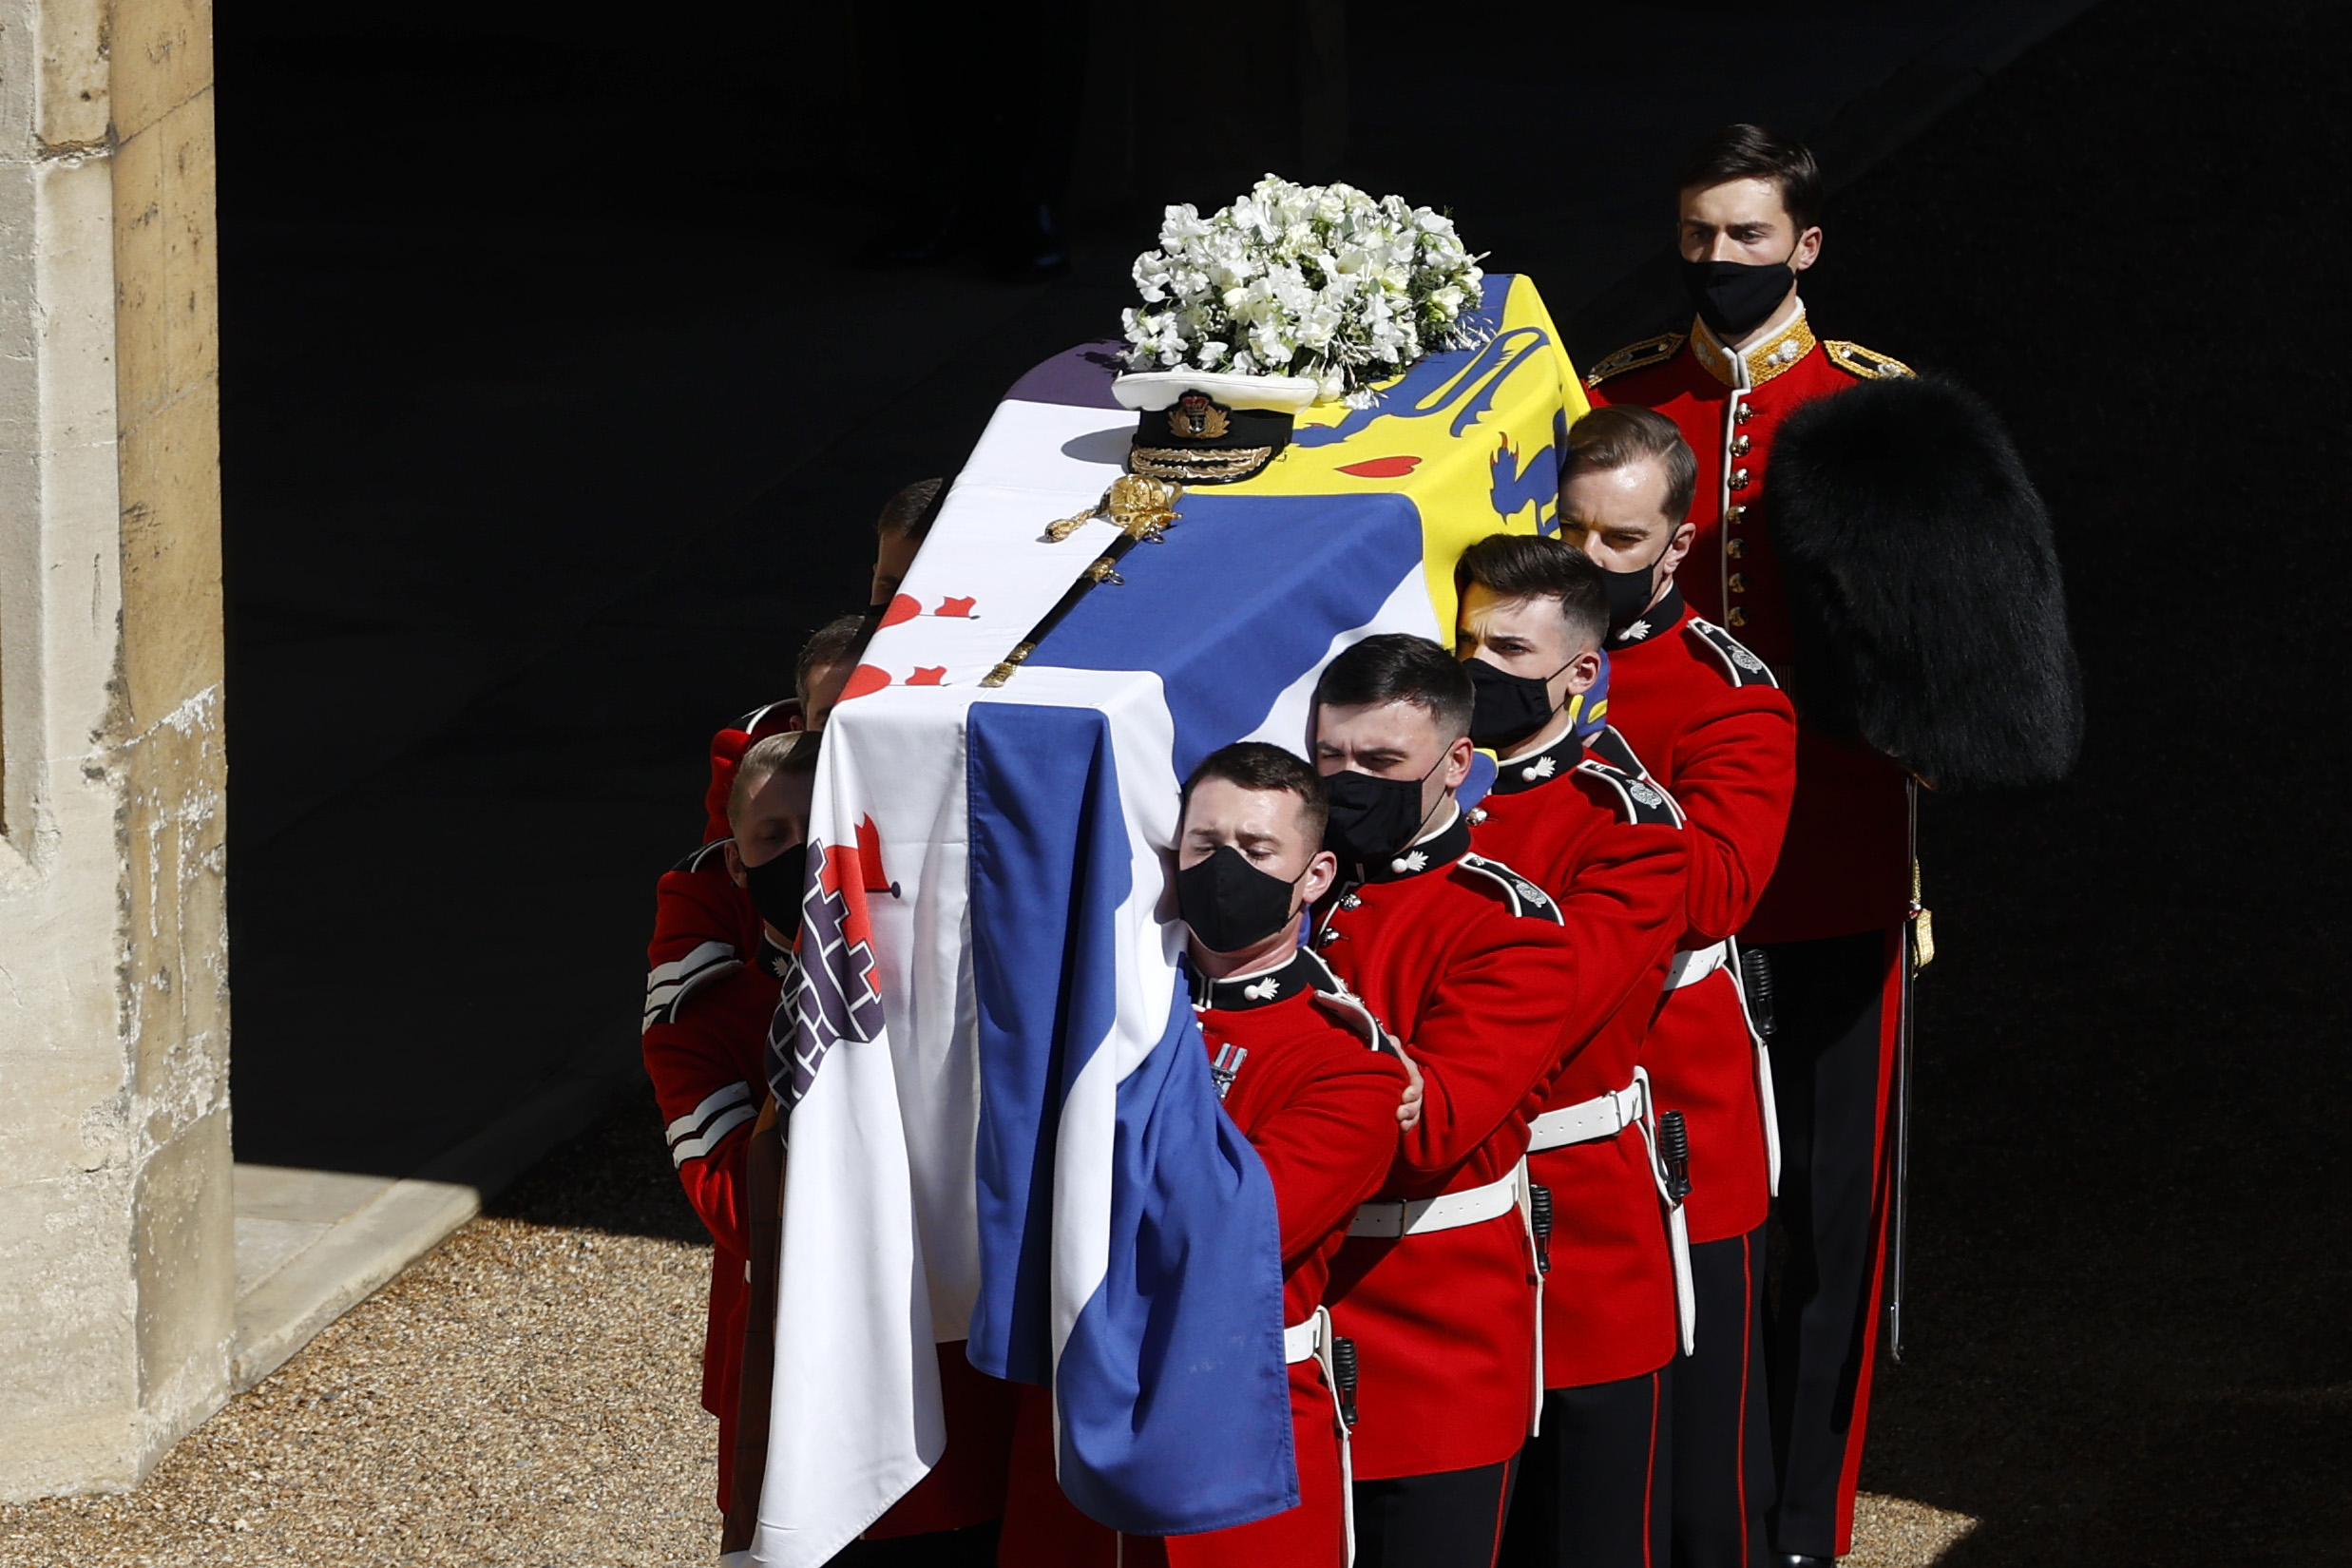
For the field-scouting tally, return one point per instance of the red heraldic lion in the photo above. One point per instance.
(1293, 1059)
(1706, 718)
(1847, 865)
(1468, 964)
(1610, 852)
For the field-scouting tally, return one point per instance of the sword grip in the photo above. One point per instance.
(1540, 1221)
(1755, 978)
(1675, 1147)
(1343, 1369)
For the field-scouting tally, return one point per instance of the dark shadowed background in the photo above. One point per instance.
(557, 412)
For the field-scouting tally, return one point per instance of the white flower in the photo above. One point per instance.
(1315, 280)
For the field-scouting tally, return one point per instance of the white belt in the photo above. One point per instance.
(1418, 1216)
(1311, 1340)
(1603, 1116)
(1691, 968)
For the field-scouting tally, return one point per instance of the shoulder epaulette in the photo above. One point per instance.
(1635, 355)
(1611, 747)
(1738, 661)
(1348, 1011)
(1868, 363)
(703, 856)
(1639, 799)
(1523, 897)
(759, 715)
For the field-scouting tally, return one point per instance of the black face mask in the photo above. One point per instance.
(1737, 297)
(1507, 707)
(1629, 593)
(774, 887)
(1373, 818)
(1229, 903)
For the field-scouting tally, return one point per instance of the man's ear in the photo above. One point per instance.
(1685, 536)
(1457, 762)
(1583, 670)
(735, 863)
(1808, 251)
(1322, 871)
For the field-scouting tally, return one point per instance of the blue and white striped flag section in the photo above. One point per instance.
(1002, 1128)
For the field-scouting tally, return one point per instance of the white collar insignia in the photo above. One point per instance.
(1540, 768)
(1635, 632)
(1265, 990)
(1412, 860)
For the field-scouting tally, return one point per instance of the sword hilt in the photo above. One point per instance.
(1343, 1369)
(1755, 979)
(1674, 1148)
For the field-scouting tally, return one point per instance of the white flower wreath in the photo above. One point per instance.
(1320, 281)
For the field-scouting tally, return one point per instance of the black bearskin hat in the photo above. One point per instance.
(1923, 586)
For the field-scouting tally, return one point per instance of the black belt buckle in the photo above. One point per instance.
(1540, 1221)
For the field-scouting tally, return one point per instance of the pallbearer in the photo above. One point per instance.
(1608, 846)
(1711, 724)
(1297, 1064)
(1490, 987)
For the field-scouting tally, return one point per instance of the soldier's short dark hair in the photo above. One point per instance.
(837, 641)
(1399, 668)
(789, 756)
(1620, 433)
(1255, 765)
(909, 514)
(1751, 152)
(1526, 565)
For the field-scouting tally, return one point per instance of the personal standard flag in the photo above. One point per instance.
(1001, 1127)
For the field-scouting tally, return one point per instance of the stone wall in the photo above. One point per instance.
(116, 1256)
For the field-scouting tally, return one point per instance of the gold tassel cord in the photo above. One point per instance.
(1922, 925)
(1142, 510)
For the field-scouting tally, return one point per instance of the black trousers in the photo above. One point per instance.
(1592, 1488)
(1449, 1519)
(1722, 1469)
(1829, 1051)
(974, 1546)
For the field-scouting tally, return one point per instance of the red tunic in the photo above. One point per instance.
(1846, 864)
(1707, 722)
(705, 1065)
(1617, 865)
(1320, 1109)
(703, 923)
(1468, 964)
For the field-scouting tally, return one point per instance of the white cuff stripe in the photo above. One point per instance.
(734, 1094)
(668, 985)
(697, 1148)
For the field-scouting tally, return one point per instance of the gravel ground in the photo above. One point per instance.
(527, 1393)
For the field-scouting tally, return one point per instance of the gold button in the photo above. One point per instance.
(1739, 584)
(1733, 514)
(1734, 547)
(1738, 617)
(1739, 479)
(1740, 445)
